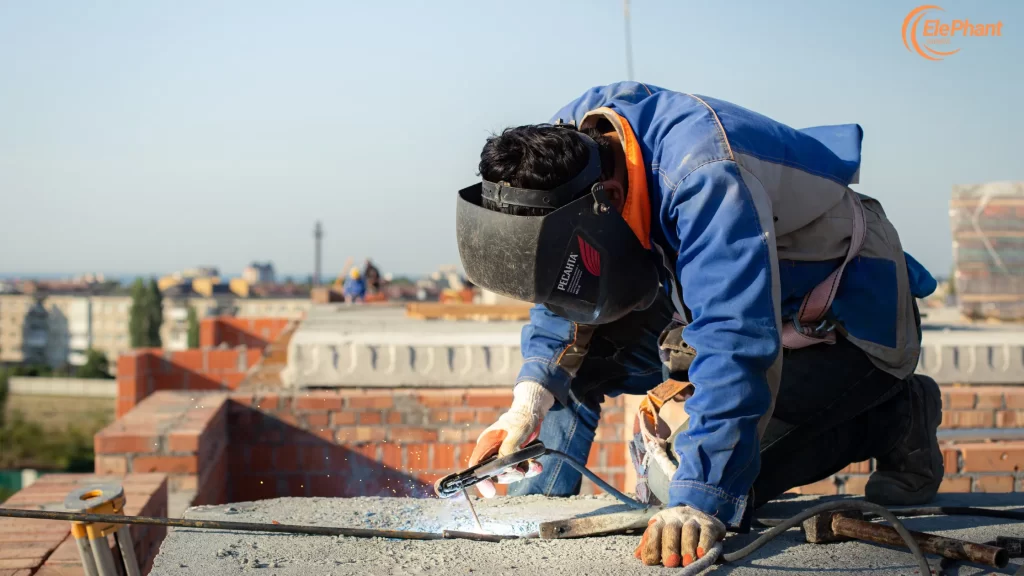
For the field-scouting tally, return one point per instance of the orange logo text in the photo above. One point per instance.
(923, 33)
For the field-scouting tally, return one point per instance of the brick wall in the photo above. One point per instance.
(236, 446)
(232, 331)
(182, 435)
(46, 548)
(146, 370)
(993, 466)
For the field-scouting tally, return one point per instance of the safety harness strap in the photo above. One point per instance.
(802, 332)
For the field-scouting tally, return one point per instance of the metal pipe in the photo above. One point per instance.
(249, 526)
(931, 543)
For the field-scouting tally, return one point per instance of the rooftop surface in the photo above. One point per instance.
(222, 553)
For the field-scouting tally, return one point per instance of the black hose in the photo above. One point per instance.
(596, 480)
(859, 505)
(958, 511)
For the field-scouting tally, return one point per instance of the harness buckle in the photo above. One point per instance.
(818, 331)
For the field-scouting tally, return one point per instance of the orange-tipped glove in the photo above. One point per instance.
(513, 430)
(677, 536)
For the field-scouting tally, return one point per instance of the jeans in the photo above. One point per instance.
(833, 408)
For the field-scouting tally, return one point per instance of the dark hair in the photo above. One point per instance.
(540, 157)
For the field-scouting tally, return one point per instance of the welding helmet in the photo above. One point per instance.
(581, 259)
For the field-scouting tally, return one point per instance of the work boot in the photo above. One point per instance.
(910, 474)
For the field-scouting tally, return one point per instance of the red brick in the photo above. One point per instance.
(857, 468)
(19, 563)
(318, 401)
(378, 402)
(439, 415)
(370, 418)
(222, 360)
(989, 397)
(327, 434)
(60, 570)
(417, 457)
(127, 364)
(261, 459)
(960, 399)
(184, 441)
(487, 417)
(968, 419)
(463, 416)
(364, 434)
(124, 406)
(452, 435)
(441, 398)
(166, 464)
(286, 458)
(615, 455)
(951, 460)
(1009, 418)
(854, 484)
(465, 451)
(124, 442)
(391, 456)
(114, 465)
(444, 457)
(617, 417)
(996, 457)
(318, 419)
(26, 551)
(826, 486)
(13, 572)
(232, 381)
(191, 360)
(270, 402)
(993, 484)
(404, 434)
(394, 418)
(489, 398)
(66, 553)
(252, 357)
(594, 459)
(1014, 397)
(955, 484)
(343, 418)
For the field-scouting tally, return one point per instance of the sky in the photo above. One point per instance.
(144, 137)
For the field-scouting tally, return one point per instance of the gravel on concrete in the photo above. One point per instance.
(216, 553)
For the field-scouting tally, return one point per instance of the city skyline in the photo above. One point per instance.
(157, 136)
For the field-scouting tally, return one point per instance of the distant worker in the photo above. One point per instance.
(354, 288)
(372, 276)
(669, 238)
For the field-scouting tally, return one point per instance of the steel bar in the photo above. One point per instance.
(249, 526)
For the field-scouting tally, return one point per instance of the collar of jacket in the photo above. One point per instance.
(637, 211)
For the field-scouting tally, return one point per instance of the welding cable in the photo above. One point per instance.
(858, 505)
(596, 480)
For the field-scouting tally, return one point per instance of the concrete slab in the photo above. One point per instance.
(219, 553)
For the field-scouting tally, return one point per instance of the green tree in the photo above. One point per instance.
(96, 365)
(146, 314)
(138, 320)
(193, 328)
(156, 313)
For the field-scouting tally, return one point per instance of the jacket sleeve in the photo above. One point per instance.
(627, 92)
(726, 273)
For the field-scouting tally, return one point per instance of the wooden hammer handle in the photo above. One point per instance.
(931, 543)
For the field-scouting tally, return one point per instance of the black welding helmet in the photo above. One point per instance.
(581, 260)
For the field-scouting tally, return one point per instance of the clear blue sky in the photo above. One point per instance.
(151, 136)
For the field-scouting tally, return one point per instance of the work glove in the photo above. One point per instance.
(677, 536)
(513, 430)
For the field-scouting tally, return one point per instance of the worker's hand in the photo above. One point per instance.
(513, 430)
(677, 536)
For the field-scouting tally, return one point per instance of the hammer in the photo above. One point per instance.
(840, 526)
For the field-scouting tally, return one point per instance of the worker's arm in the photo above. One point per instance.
(726, 267)
(627, 92)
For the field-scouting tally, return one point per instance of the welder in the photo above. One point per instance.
(669, 235)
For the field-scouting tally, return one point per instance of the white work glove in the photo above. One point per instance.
(677, 536)
(513, 430)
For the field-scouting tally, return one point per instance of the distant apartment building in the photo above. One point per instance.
(57, 329)
(259, 273)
